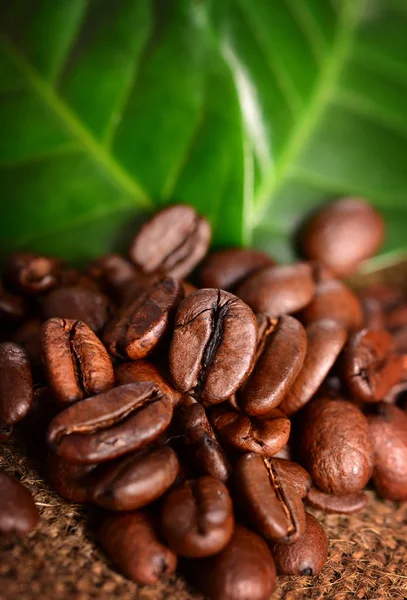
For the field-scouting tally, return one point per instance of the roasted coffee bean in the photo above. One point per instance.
(32, 274)
(144, 320)
(28, 335)
(269, 498)
(285, 453)
(188, 288)
(244, 570)
(370, 365)
(388, 296)
(18, 513)
(137, 480)
(329, 503)
(143, 370)
(325, 340)
(76, 363)
(280, 355)
(335, 447)
(292, 472)
(174, 241)
(113, 274)
(373, 314)
(307, 555)
(72, 482)
(197, 517)
(336, 301)
(202, 445)
(131, 541)
(397, 317)
(13, 309)
(388, 432)
(110, 425)
(249, 434)
(213, 345)
(343, 234)
(279, 290)
(73, 277)
(16, 386)
(228, 268)
(78, 304)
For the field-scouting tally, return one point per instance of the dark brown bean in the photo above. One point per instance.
(114, 274)
(329, 503)
(131, 541)
(143, 370)
(137, 480)
(325, 340)
(294, 473)
(197, 517)
(335, 447)
(13, 309)
(388, 432)
(228, 268)
(28, 335)
(213, 346)
(18, 513)
(343, 234)
(388, 296)
(174, 241)
(373, 314)
(72, 482)
(77, 303)
(280, 355)
(140, 325)
(16, 386)
(336, 301)
(110, 425)
(32, 274)
(397, 317)
(76, 363)
(307, 555)
(279, 290)
(244, 570)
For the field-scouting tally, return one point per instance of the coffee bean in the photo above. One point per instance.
(131, 541)
(143, 321)
(32, 274)
(197, 517)
(397, 317)
(279, 290)
(388, 432)
(174, 241)
(307, 555)
(269, 499)
(76, 363)
(113, 274)
(72, 482)
(374, 317)
(16, 391)
(28, 335)
(228, 268)
(329, 503)
(293, 473)
(137, 480)
(336, 301)
(325, 340)
(142, 370)
(78, 304)
(244, 570)
(280, 355)
(249, 434)
(213, 345)
(18, 513)
(110, 425)
(343, 234)
(188, 288)
(370, 365)
(13, 308)
(335, 447)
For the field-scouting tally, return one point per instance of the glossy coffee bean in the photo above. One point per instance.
(113, 273)
(141, 324)
(269, 498)
(306, 556)
(76, 363)
(334, 300)
(213, 346)
(16, 386)
(388, 432)
(370, 364)
(197, 517)
(343, 234)
(110, 425)
(18, 512)
(325, 340)
(280, 355)
(137, 480)
(279, 290)
(72, 482)
(228, 268)
(244, 570)
(249, 434)
(202, 445)
(293, 473)
(132, 542)
(329, 503)
(28, 335)
(174, 241)
(335, 447)
(78, 304)
(143, 370)
(32, 274)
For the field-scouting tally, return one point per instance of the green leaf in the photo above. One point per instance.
(253, 112)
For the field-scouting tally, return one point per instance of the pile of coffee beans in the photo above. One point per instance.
(202, 415)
